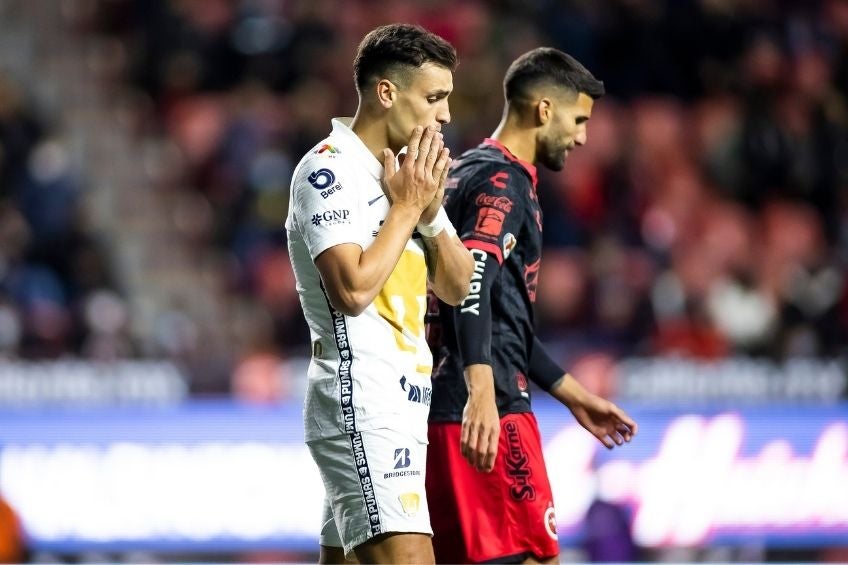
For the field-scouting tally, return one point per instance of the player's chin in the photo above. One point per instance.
(556, 162)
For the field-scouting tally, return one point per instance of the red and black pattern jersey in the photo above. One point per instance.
(491, 200)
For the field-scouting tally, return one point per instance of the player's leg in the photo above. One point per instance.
(443, 457)
(331, 551)
(334, 556)
(466, 506)
(527, 490)
(396, 547)
(375, 485)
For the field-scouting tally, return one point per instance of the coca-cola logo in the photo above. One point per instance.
(501, 203)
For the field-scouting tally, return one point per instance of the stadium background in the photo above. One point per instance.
(695, 251)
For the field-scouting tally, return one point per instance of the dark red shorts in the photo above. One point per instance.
(508, 513)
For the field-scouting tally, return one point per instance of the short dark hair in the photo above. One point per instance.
(549, 67)
(398, 48)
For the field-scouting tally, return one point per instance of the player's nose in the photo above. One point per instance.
(443, 115)
(580, 138)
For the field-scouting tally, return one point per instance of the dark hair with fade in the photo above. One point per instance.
(397, 49)
(549, 66)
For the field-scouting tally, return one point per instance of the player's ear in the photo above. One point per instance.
(544, 110)
(385, 93)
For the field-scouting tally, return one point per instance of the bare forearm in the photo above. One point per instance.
(351, 287)
(449, 266)
(568, 391)
(479, 379)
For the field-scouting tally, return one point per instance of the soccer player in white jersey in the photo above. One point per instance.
(365, 235)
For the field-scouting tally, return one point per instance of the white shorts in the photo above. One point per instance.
(373, 483)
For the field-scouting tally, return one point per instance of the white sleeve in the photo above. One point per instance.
(326, 205)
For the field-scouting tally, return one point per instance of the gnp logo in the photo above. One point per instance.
(402, 458)
(331, 218)
(322, 179)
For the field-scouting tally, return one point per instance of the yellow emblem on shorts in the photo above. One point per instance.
(410, 502)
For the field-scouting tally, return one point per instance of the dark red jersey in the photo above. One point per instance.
(491, 200)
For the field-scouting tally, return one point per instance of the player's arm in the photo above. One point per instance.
(449, 264)
(473, 322)
(352, 276)
(602, 418)
(494, 211)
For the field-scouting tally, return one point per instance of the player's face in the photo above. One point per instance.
(565, 131)
(423, 102)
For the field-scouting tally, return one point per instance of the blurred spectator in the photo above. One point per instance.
(707, 218)
(653, 232)
(49, 263)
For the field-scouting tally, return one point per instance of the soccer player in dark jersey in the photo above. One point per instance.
(488, 490)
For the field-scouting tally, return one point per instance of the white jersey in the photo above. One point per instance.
(373, 370)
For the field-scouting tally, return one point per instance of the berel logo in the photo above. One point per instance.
(325, 181)
(322, 178)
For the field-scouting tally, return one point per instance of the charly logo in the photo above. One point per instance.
(499, 179)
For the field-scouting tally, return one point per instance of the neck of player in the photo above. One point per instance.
(518, 138)
(373, 132)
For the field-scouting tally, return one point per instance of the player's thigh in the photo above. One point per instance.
(374, 483)
(527, 495)
(396, 548)
(334, 555)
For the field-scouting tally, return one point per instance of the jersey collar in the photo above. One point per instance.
(531, 169)
(351, 142)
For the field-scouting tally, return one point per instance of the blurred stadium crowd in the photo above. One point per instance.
(706, 217)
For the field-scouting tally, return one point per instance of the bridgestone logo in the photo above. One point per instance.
(362, 469)
(395, 474)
